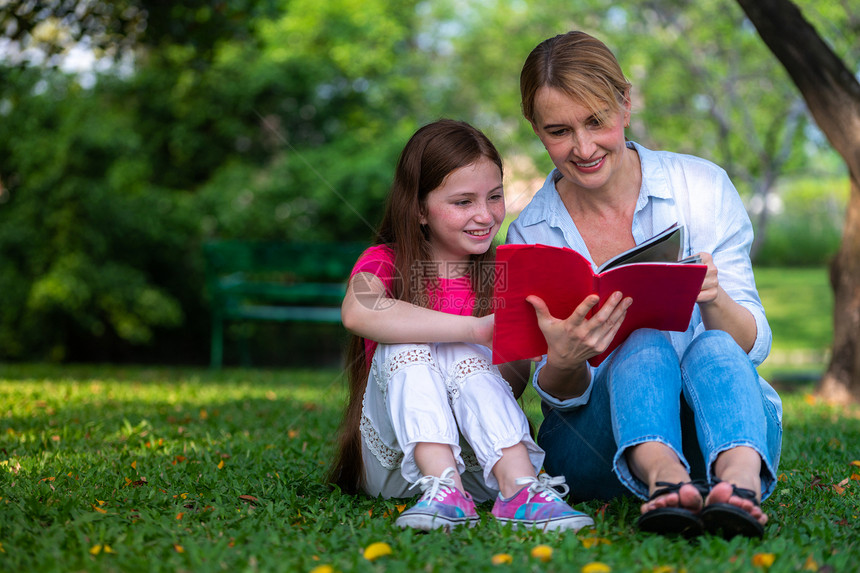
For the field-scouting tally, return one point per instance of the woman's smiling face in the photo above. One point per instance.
(586, 151)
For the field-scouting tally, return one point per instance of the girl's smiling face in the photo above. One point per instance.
(463, 214)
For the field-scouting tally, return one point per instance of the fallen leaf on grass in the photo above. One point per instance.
(810, 565)
(501, 559)
(764, 560)
(249, 498)
(816, 482)
(840, 487)
(180, 515)
(856, 463)
(98, 509)
(134, 465)
(178, 548)
(221, 464)
(292, 434)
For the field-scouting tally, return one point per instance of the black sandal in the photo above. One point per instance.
(730, 520)
(673, 520)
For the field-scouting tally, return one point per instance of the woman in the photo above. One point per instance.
(665, 407)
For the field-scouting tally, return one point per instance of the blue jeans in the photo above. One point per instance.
(701, 405)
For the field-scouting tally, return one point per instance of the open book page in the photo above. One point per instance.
(664, 247)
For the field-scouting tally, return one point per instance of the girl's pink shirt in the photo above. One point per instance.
(454, 296)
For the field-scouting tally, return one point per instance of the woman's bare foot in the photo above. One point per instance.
(740, 467)
(722, 493)
(656, 463)
(687, 497)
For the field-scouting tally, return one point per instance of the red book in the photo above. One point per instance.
(664, 293)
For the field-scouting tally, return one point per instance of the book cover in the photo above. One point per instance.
(664, 294)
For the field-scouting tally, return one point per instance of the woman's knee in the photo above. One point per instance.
(645, 344)
(716, 351)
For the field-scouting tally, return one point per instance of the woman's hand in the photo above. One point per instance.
(720, 312)
(575, 339)
(711, 285)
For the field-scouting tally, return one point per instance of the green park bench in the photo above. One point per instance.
(275, 281)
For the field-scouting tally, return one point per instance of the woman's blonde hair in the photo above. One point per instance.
(580, 66)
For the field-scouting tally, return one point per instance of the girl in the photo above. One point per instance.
(427, 409)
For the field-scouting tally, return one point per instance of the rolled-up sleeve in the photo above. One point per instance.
(556, 403)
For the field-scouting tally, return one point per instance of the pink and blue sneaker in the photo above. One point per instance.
(539, 505)
(441, 506)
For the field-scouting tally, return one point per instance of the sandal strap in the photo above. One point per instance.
(740, 492)
(669, 487)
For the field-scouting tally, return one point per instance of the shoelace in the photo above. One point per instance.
(553, 488)
(437, 486)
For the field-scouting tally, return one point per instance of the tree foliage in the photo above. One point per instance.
(283, 119)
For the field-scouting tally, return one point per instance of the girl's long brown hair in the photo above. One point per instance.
(433, 152)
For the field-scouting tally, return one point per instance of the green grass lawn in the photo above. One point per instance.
(109, 468)
(799, 306)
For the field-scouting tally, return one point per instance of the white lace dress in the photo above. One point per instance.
(448, 393)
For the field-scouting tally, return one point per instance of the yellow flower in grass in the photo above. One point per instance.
(589, 542)
(596, 567)
(502, 559)
(323, 569)
(376, 550)
(764, 560)
(542, 552)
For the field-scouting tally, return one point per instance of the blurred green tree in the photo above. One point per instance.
(282, 119)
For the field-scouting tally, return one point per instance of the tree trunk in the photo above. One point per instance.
(832, 95)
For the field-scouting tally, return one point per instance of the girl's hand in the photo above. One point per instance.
(711, 285)
(575, 339)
